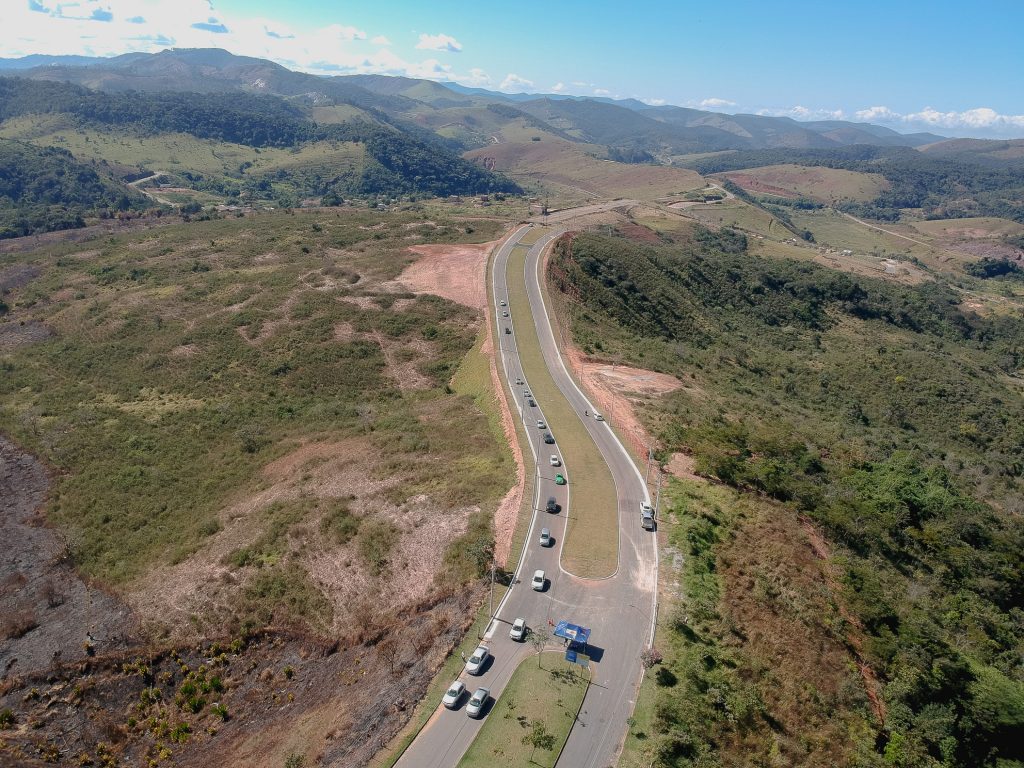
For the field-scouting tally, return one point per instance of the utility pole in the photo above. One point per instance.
(492, 589)
(657, 501)
(650, 456)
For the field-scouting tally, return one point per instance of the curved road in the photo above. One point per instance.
(618, 609)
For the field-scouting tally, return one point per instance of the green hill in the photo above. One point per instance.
(46, 188)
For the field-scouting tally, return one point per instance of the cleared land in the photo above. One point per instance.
(591, 544)
(252, 429)
(574, 168)
(546, 690)
(825, 185)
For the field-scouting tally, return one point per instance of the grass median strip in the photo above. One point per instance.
(529, 724)
(591, 541)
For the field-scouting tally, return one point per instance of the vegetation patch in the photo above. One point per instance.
(529, 724)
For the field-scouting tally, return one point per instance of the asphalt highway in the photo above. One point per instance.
(619, 610)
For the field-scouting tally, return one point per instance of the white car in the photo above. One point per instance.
(518, 631)
(555, 461)
(519, 380)
(545, 537)
(503, 303)
(537, 583)
(454, 695)
(541, 424)
(598, 416)
(504, 314)
(475, 665)
(477, 702)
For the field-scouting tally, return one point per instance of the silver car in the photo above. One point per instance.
(537, 583)
(454, 694)
(475, 665)
(477, 702)
(545, 537)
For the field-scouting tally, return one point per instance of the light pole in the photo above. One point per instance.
(650, 456)
(657, 501)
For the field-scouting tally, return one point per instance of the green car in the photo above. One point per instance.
(559, 480)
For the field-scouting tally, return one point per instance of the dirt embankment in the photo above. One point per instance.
(459, 273)
(47, 613)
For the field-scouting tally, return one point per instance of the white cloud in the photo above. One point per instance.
(716, 103)
(654, 102)
(476, 78)
(602, 92)
(380, 40)
(871, 114)
(980, 121)
(804, 113)
(442, 42)
(514, 82)
(558, 87)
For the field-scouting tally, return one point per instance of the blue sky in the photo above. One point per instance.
(953, 68)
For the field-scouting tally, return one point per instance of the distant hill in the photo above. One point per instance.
(984, 151)
(663, 131)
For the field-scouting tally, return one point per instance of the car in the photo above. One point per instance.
(477, 702)
(545, 537)
(598, 416)
(518, 631)
(646, 516)
(541, 424)
(508, 330)
(519, 381)
(504, 314)
(538, 581)
(555, 461)
(559, 479)
(548, 438)
(531, 402)
(475, 665)
(552, 505)
(526, 393)
(504, 303)
(454, 695)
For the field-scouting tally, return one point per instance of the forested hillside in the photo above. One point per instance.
(943, 187)
(886, 415)
(46, 188)
(398, 162)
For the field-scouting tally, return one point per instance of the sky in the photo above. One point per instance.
(954, 68)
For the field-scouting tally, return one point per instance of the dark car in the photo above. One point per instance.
(552, 505)
(548, 438)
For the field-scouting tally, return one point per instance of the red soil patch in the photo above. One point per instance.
(755, 184)
(455, 272)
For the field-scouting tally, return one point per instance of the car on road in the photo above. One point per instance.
(541, 424)
(545, 537)
(519, 381)
(477, 702)
(475, 665)
(504, 314)
(454, 694)
(503, 303)
(538, 581)
(531, 402)
(552, 505)
(548, 438)
(526, 393)
(518, 631)
(559, 479)
(508, 330)
(646, 516)
(555, 461)
(598, 416)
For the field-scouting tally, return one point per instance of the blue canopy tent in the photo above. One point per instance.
(574, 633)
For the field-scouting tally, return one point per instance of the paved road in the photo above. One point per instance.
(618, 609)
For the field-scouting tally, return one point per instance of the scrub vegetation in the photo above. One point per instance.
(889, 419)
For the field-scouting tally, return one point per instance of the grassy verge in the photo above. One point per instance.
(548, 691)
(591, 543)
